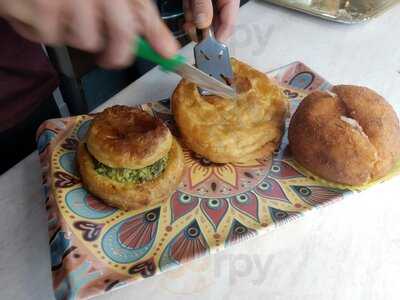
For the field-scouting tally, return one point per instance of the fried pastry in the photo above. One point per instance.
(130, 159)
(349, 135)
(238, 130)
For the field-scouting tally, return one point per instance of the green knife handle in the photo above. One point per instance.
(144, 50)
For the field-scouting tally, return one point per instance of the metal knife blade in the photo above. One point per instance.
(203, 80)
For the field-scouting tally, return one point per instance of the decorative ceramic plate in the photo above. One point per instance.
(96, 248)
(343, 11)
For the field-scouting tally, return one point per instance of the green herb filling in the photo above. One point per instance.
(131, 175)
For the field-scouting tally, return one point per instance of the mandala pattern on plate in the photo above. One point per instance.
(188, 244)
(130, 239)
(96, 248)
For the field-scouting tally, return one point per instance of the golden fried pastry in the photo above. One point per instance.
(131, 195)
(223, 130)
(126, 137)
(350, 135)
(146, 172)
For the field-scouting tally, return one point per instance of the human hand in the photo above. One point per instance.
(199, 14)
(105, 27)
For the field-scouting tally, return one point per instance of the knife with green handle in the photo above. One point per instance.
(178, 65)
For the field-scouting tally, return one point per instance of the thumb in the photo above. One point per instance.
(202, 12)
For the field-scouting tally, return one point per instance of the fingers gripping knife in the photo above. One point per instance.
(212, 57)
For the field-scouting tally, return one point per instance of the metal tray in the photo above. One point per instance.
(343, 11)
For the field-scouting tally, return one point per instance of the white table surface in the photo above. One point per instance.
(350, 250)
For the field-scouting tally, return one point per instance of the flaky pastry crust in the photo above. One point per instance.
(127, 137)
(223, 130)
(130, 196)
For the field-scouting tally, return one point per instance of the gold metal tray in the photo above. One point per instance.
(343, 11)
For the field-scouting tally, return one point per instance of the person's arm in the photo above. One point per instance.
(199, 14)
(105, 27)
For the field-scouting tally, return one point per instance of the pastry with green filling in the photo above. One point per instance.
(129, 159)
(132, 175)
